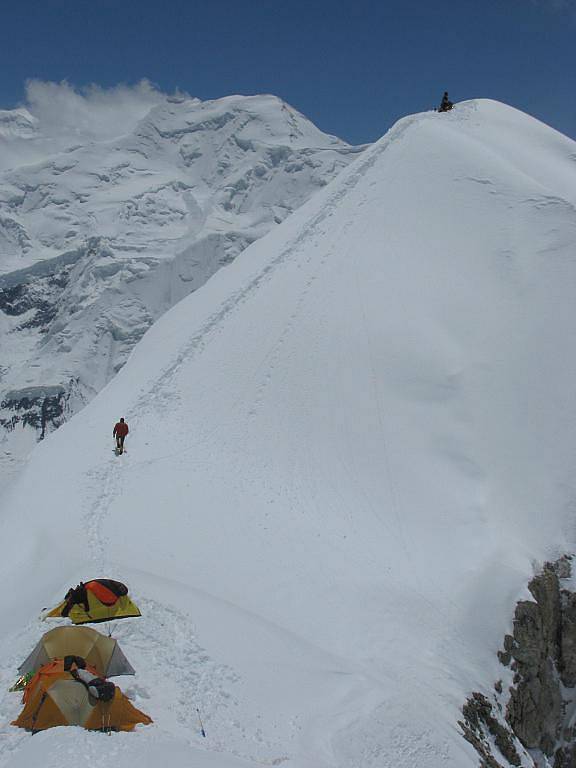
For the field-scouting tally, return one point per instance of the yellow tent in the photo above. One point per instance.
(101, 652)
(94, 601)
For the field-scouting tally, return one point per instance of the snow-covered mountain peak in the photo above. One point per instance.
(256, 116)
(106, 223)
(17, 124)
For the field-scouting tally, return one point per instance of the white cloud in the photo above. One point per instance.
(91, 112)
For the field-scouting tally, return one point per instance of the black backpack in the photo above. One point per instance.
(105, 689)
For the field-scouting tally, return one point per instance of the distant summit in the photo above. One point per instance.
(17, 124)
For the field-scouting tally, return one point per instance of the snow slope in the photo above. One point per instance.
(106, 221)
(347, 452)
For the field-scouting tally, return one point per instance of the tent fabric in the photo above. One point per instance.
(119, 714)
(104, 604)
(40, 705)
(55, 698)
(118, 663)
(100, 652)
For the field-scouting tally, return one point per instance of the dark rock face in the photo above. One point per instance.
(33, 296)
(535, 706)
(43, 408)
(542, 654)
(37, 298)
(568, 638)
(479, 719)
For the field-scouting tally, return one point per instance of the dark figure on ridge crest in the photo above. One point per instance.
(446, 105)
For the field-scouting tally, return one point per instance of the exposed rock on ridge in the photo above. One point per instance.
(533, 723)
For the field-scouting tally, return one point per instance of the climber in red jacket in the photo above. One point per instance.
(120, 432)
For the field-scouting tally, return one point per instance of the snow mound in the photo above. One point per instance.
(347, 450)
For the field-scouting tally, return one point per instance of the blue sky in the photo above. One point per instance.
(352, 67)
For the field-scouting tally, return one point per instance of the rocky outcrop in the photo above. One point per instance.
(535, 706)
(480, 721)
(537, 711)
(42, 408)
(35, 298)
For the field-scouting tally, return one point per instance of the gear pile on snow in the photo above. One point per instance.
(94, 601)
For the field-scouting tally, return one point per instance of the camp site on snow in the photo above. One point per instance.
(64, 680)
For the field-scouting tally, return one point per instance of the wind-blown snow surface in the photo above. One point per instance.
(347, 451)
(114, 205)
